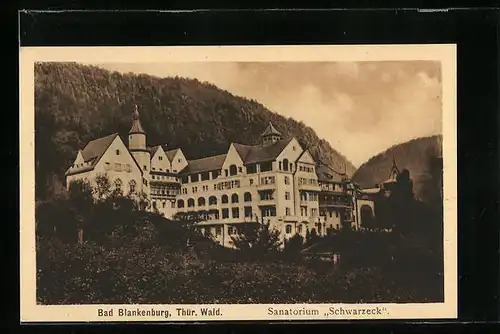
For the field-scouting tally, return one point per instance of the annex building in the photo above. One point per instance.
(276, 182)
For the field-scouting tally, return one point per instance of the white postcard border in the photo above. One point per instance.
(445, 53)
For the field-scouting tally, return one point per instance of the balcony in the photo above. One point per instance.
(267, 201)
(335, 204)
(266, 186)
(309, 187)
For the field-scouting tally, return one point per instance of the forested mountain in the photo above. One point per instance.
(421, 156)
(76, 103)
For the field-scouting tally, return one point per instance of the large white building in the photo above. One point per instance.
(275, 182)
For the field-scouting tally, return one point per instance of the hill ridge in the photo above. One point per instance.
(76, 103)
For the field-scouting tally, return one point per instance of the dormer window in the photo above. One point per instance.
(117, 152)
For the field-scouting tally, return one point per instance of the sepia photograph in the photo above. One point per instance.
(209, 178)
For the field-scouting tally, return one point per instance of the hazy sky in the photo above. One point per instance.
(361, 108)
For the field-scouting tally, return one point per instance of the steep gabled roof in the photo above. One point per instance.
(253, 154)
(93, 152)
(204, 164)
(171, 154)
(152, 150)
(328, 174)
(270, 130)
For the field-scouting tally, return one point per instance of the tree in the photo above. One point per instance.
(257, 239)
(294, 245)
(402, 203)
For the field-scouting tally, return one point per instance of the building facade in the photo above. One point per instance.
(276, 182)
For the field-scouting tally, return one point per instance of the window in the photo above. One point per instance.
(201, 201)
(164, 204)
(248, 211)
(212, 200)
(179, 160)
(287, 180)
(314, 212)
(240, 169)
(194, 189)
(184, 179)
(269, 212)
(299, 228)
(234, 198)
(160, 158)
(194, 178)
(190, 203)
(233, 170)
(303, 211)
(132, 185)
(287, 212)
(303, 196)
(145, 167)
(247, 197)
(224, 199)
(251, 169)
(288, 229)
(285, 164)
(287, 195)
(226, 172)
(117, 152)
(336, 214)
(118, 184)
(231, 230)
(218, 230)
(225, 213)
(215, 174)
(266, 166)
(154, 205)
(235, 212)
(280, 165)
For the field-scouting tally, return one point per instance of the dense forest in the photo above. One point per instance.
(421, 156)
(76, 103)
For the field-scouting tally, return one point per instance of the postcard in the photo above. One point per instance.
(226, 183)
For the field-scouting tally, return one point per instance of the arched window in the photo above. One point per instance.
(212, 200)
(288, 229)
(247, 197)
(132, 185)
(234, 198)
(224, 199)
(201, 201)
(233, 170)
(285, 164)
(190, 203)
(180, 203)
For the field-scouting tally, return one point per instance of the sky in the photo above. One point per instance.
(361, 108)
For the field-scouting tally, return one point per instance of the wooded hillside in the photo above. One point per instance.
(76, 103)
(421, 156)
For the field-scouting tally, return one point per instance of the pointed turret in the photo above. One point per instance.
(270, 135)
(136, 123)
(394, 170)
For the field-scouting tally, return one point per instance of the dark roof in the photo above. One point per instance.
(327, 174)
(204, 164)
(136, 123)
(270, 130)
(258, 153)
(152, 150)
(171, 154)
(93, 152)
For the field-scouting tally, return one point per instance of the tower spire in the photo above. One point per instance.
(394, 169)
(136, 122)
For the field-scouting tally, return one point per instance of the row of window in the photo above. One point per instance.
(306, 169)
(119, 184)
(118, 167)
(313, 197)
(303, 212)
(303, 180)
(163, 177)
(212, 200)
